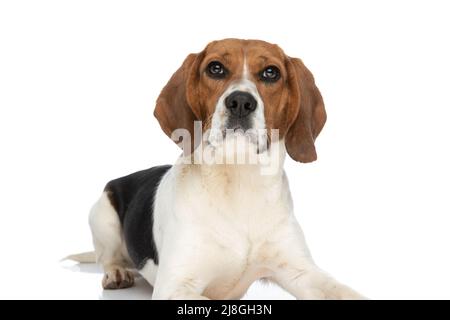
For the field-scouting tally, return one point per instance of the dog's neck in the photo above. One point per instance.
(236, 162)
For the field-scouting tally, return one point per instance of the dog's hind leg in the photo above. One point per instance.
(110, 249)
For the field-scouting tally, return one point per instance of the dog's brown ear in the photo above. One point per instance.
(173, 110)
(306, 101)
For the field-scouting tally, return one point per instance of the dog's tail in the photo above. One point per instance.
(84, 257)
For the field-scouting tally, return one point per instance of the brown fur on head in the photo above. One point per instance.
(292, 104)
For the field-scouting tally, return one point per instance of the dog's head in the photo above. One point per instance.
(245, 84)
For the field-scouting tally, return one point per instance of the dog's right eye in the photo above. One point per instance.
(216, 70)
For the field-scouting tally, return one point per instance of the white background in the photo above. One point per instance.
(78, 82)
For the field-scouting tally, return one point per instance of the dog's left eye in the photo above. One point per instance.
(270, 74)
(216, 70)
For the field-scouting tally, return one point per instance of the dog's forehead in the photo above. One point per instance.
(250, 49)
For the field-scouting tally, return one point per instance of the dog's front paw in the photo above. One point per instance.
(117, 278)
(342, 292)
(332, 291)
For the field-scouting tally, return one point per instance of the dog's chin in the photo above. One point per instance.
(218, 138)
(237, 141)
(257, 141)
(238, 132)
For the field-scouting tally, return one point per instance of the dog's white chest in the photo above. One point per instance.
(230, 217)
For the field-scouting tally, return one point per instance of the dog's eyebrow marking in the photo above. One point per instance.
(226, 57)
(263, 58)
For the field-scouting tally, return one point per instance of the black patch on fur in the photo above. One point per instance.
(132, 197)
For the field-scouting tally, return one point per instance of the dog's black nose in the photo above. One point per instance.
(240, 103)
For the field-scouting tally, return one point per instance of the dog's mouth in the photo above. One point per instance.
(238, 130)
(235, 124)
(253, 137)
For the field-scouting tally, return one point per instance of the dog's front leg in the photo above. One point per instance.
(179, 280)
(177, 291)
(296, 272)
(176, 285)
(307, 281)
(183, 269)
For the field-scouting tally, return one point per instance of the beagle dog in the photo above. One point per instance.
(222, 216)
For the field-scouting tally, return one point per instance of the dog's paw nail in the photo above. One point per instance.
(118, 279)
